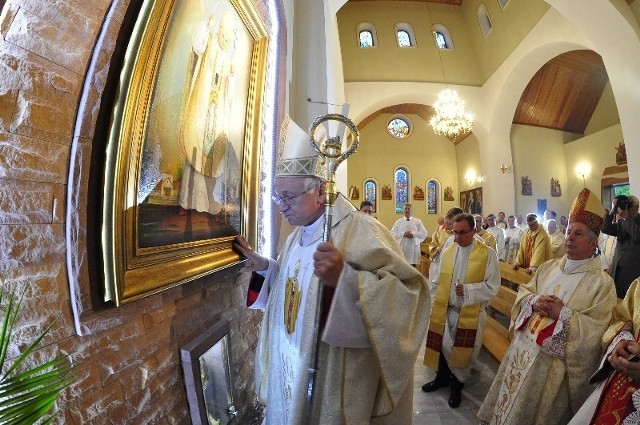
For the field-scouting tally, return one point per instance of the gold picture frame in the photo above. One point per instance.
(182, 171)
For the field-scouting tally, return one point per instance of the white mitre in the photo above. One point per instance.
(296, 156)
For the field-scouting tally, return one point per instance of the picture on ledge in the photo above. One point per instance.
(526, 186)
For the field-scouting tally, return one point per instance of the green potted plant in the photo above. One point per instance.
(27, 394)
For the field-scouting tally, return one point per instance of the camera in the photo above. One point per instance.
(622, 202)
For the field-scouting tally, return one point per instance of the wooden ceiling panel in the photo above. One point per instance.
(564, 93)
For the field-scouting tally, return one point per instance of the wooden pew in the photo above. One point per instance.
(496, 333)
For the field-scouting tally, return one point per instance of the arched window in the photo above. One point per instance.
(366, 35)
(433, 196)
(371, 193)
(399, 126)
(442, 37)
(401, 185)
(366, 38)
(404, 35)
(484, 20)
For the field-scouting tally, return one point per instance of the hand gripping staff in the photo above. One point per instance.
(331, 156)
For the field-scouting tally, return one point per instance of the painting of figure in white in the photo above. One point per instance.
(196, 128)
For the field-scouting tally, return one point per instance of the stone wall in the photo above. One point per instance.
(128, 364)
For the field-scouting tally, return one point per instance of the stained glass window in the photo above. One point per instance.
(366, 38)
(398, 128)
(433, 196)
(371, 192)
(401, 183)
(403, 39)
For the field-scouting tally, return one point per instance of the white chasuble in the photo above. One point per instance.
(524, 348)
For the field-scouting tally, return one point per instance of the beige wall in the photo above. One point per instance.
(605, 114)
(510, 26)
(426, 155)
(468, 163)
(420, 63)
(599, 151)
(539, 154)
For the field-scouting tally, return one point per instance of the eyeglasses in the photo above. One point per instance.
(461, 232)
(289, 200)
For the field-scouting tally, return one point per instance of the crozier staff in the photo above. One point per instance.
(366, 359)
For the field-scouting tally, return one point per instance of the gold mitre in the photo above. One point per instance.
(296, 156)
(588, 209)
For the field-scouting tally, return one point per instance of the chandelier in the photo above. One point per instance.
(450, 119)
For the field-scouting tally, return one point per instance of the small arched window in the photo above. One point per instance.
(484, 20)
(442, 37)
(433, 196)
(371, 193)
(401, 184)
(366, 35)
(404, 35)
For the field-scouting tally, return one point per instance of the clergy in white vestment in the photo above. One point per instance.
(468, 278)
(557, 323)
(616, 399)
(501, 220)
(512, 236)
(556, 239)
(409, 232)
(374, 314)
(483, 235)
(498, 235)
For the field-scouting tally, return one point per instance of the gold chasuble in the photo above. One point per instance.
(467, 327)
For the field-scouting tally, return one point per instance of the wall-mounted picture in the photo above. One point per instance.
(386, 192)
(448, 194)
(354, 193)
(418, 194)
(471, 201)
(556, 190)
(526, 186)
(182, 154)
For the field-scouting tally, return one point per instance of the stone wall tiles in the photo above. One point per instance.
(50, 40)
(31, 244)
(36, 117)
(80, 18)
(26, 158)
(23, 202)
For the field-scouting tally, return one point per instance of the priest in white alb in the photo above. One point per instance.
(410, 232)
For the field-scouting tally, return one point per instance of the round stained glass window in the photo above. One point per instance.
(398, 128)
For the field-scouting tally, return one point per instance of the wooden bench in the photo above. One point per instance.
(496, 333)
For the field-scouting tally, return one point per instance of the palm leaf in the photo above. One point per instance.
(27, 396)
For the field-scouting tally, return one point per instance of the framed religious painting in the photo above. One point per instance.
(182, 157)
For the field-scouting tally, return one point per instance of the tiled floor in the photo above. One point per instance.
(432, 408)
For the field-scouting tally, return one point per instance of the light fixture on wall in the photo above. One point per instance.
(505, 168)
(582, 170)
(470, 177)
(450, 118)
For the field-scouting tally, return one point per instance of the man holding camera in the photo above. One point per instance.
(623, 222)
